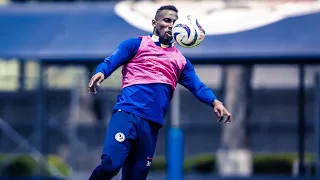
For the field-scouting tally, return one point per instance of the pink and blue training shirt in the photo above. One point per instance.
(150, 75)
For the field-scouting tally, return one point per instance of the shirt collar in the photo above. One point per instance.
(155, 39)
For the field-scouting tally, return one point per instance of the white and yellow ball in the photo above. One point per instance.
(188, 31)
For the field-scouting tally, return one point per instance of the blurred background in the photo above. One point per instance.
(259, 57)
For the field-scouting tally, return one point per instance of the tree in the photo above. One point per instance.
(234, 157)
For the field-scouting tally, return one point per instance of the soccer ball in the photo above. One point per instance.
(188, 31)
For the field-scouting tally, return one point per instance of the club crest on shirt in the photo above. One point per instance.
(120, 137)
(217, 17)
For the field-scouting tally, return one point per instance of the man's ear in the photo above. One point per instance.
(154, 22)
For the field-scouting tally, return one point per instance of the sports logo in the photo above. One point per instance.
(149, 160)
(217, 17)
(148, 163)
(120, 137)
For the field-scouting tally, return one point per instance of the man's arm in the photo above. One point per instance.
(125, 51)
(190, 80)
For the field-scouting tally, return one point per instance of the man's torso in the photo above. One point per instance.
(149, 80)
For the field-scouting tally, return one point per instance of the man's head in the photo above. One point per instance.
(163, 22)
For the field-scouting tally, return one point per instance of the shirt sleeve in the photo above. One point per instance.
(190, 80)
(125, 51)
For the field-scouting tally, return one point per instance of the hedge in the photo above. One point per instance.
(26, 165)
(280, 163)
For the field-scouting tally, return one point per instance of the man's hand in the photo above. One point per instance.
(95, 81)
(221, 111)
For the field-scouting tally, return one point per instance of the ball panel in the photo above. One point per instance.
(186, 28)
(200, 27)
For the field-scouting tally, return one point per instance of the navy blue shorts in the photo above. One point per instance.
(130, 142)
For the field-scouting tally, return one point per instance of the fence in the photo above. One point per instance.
(75, 122)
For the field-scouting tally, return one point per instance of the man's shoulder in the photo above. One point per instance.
(133, 40)
(130, 43)
(177, 50)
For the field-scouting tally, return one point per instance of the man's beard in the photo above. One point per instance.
(164, 39)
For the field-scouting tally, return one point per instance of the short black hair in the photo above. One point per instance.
(166, 7)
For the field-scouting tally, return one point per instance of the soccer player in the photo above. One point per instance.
(152, 67)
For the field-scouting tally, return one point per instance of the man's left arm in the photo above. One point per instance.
(190, 80)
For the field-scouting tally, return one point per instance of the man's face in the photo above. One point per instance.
(163, 25)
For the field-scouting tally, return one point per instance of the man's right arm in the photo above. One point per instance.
(125, 51)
